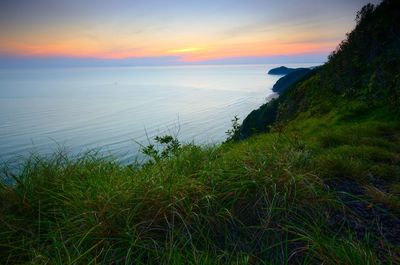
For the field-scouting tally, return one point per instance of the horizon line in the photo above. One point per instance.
(7, 61)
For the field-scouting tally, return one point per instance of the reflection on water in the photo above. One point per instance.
(114, 108)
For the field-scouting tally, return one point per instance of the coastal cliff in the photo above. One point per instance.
(363, 68)
(283, 70)
(290, 79)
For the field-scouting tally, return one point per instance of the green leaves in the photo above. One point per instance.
(234, 133)
(169, 148)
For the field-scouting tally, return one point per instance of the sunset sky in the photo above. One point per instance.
(174, 31)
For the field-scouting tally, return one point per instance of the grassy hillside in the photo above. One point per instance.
(321, 187)
(364, 67)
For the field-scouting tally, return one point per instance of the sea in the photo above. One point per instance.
(116, 111)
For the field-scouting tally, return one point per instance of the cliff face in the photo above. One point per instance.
(290, 79)
(259, 120)
(364, 67)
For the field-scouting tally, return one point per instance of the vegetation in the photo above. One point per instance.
(365, 67)
(284, 83)
(321, 187)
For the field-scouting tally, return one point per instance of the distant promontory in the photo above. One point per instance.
(283, 70)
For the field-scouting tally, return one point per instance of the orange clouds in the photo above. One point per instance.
(78, 48)
(191, 44)
(265, 49)
(190, 47)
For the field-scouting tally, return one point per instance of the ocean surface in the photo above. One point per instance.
(114, 110)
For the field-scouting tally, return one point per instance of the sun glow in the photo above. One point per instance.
(185, 50)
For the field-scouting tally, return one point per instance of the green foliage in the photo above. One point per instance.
(170, 147)
(259, 120)
(364, 67)
(234, 133)
(366, 63)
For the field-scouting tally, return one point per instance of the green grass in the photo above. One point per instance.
(260, 201)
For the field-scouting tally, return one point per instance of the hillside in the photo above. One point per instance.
(284, 83)
(364, 67)
(318, 181)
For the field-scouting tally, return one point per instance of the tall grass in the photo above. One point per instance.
(260, 201)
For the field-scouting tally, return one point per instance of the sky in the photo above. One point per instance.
(172, 31)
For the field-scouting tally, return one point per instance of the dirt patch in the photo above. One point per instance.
(364, 217)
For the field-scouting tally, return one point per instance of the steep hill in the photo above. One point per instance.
(364, 67)
(289, 80)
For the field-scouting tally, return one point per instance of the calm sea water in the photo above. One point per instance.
(114, 109)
